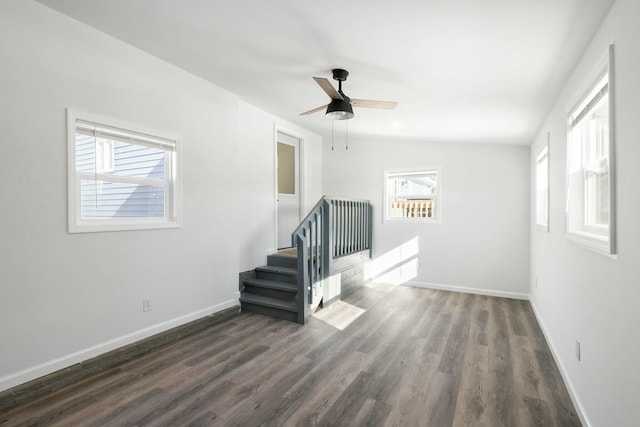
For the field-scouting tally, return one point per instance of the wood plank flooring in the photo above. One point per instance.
(405, 357)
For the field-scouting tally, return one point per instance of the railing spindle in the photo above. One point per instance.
(350, 225)
(347, 226)
(340, 228)
(359, 248)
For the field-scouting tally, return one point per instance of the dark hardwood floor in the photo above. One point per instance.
(387, 355)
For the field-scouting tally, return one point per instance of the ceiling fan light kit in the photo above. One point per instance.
(339, 109)
(341, 106)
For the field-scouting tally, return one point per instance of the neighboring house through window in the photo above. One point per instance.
(412, 195)
(120, 178)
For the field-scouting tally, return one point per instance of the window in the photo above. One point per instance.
(120, 178)
(412, 196)
(542, 187)
(590, 207)
(286, 168)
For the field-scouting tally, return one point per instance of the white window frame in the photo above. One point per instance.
(542, 194)
(437, 212)
(598, 239)
(172, 203)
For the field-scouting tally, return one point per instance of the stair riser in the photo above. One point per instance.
(268, 311)
(282, 261)
(267, 275)
(246, 275)
(268, 292)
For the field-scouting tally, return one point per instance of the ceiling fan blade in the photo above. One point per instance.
(365, 103)
(315, 110)
(328, 87)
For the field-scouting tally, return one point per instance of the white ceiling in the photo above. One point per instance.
(461, 70)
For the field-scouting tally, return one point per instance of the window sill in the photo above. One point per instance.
(124, 225)
(595, 243)
(543, 227)
(411, 220)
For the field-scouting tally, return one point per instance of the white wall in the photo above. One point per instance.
(257, 180)
(482, 243)
(581, 294)
(65, 298)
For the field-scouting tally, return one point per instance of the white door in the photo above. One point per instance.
(288, 179)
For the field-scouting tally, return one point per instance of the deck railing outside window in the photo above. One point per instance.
(422, 208)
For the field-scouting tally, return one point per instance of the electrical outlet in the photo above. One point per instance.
(578, 351)
(146, 304)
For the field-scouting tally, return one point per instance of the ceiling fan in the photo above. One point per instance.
(340, 107)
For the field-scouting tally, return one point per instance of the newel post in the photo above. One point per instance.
(302, 299)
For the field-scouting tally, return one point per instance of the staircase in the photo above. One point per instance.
(333, 237)
(272, 289)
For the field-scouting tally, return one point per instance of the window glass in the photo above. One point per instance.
(104, 199)
(286, 169)
(412, 195)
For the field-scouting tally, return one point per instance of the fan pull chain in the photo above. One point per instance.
(347, 144)
(332, 134)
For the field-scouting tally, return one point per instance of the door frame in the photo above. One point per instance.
(301, 178)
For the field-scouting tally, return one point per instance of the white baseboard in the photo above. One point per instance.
(51, 366)
(466, 290)
(577, 403)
